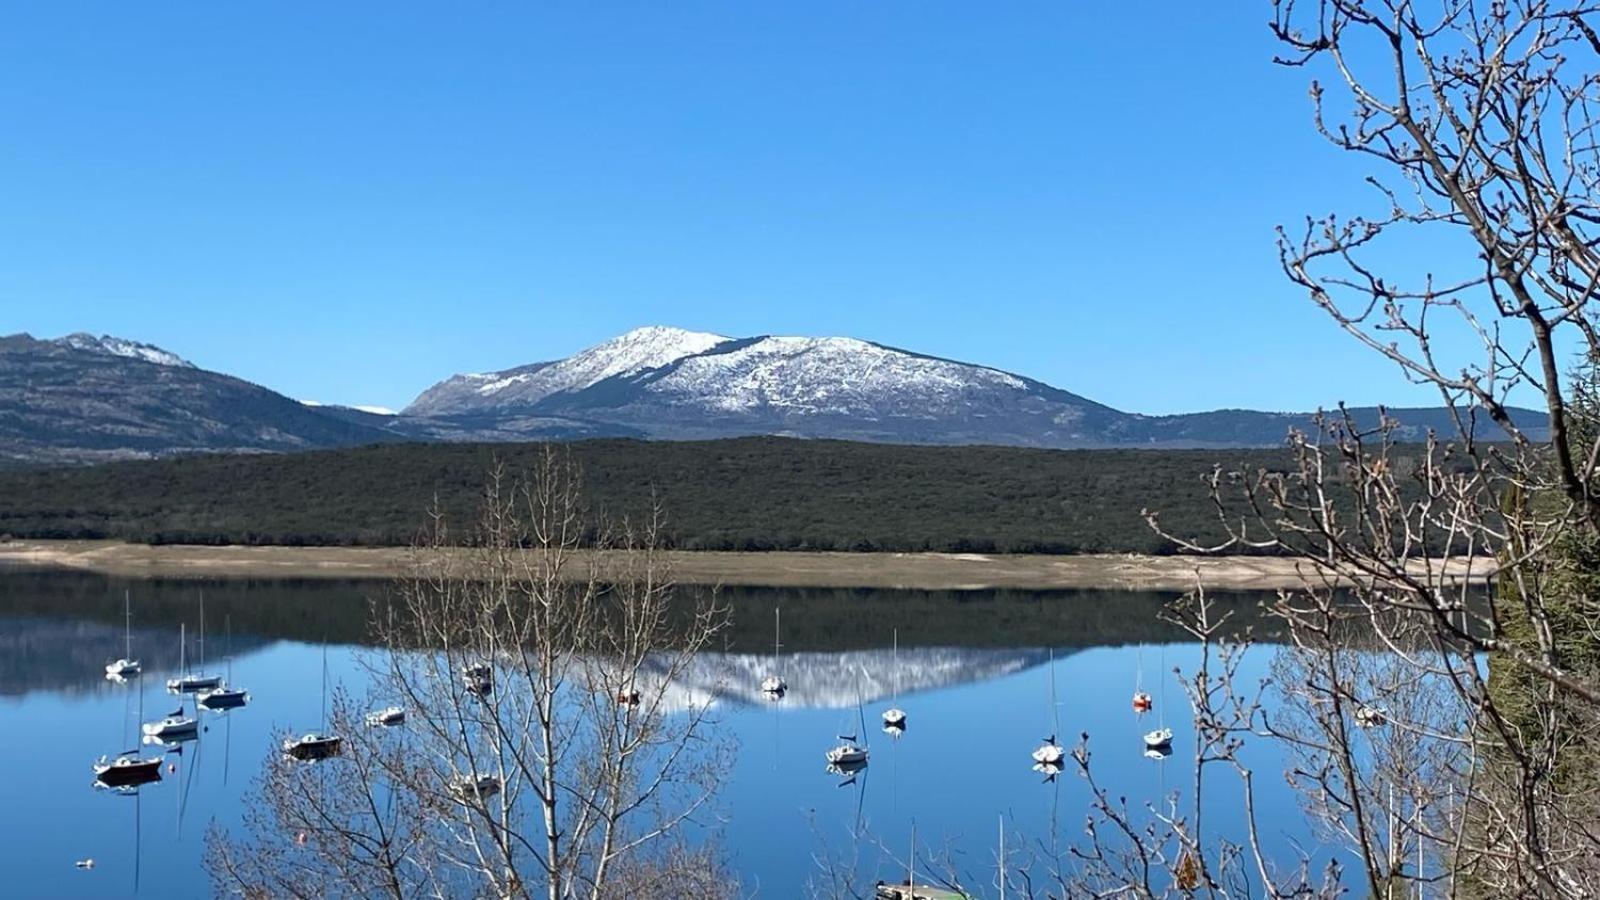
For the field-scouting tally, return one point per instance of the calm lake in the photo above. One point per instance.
(973, 672)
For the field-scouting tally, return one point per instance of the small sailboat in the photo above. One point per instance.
(172, 728)
(127, 666)
(1158, 743)
(1158, 739)
(478, 679)
(127, 769)
(316, 745)
(1371, 716)
(848, 754)
(474, 787)
(387, 717)
(1141, 700)
(193, 682)
(225, 696)
(1050, 753)
(313, 745)
(773, 685)
(894, 718)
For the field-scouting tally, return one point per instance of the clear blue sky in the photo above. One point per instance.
(348, 201)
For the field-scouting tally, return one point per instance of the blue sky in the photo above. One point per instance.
(350, 201)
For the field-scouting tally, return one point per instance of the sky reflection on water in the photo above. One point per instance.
(974, 715)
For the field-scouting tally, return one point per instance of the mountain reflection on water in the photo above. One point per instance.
(973, 672)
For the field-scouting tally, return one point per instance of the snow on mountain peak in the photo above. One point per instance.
(115, 346)
(636, 351)
(830, 375)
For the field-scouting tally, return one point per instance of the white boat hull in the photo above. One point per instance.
(194, 684)
(168, 729)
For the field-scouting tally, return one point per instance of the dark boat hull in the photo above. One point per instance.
(143, 772)
(225, 700)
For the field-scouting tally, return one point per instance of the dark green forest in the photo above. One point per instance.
(739, 494)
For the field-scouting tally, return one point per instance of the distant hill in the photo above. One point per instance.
(87, 399)
(93, 399)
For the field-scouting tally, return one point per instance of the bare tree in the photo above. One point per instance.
(550, 746)
(1426, 714)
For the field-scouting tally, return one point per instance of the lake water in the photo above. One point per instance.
(974, 675)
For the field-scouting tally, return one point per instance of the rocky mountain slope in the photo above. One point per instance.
(87, 399)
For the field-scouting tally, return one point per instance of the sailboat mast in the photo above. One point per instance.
(1002, 858)
(895, 661)
(777, 632)
(127, 625)
(202, 642)
(324, 688)
(183, 647)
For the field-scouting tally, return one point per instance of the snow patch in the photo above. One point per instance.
(111, 345)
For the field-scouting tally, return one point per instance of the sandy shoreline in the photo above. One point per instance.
(933, 571)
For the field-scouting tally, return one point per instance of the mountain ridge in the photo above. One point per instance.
(83, 398)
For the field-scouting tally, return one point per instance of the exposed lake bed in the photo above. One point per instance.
(927, 571)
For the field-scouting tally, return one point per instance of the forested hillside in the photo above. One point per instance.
(741, 494)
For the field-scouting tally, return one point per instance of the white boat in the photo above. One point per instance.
(192, 682)
(315, 745)
(773, 685)
(127, 666)
(1371, 716)
(894, 717)
(478, 787)
(1158, 739)
(171, 728)
(389, 715)
(478, 679)
(223, 697)
(848, 754)
(1050, 753)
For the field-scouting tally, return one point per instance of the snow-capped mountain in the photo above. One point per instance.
(115, 346)
(670, 383)
(83, 398)
(667, 383)
(637, 351)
